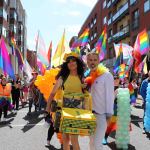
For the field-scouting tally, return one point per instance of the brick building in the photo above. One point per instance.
(124, 20)
(13, 24)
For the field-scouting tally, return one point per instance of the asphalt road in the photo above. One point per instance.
(22, 132)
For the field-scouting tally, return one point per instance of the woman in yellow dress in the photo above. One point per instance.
(70, 79)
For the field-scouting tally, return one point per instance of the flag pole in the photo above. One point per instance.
(36, 48)
(62, 46)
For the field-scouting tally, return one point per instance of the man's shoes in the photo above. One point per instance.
(104, 142)
(4, 120)
(47, 144)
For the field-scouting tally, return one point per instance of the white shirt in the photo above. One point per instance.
(102, 91)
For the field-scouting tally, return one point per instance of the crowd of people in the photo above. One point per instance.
(71, 78)
(15, 94)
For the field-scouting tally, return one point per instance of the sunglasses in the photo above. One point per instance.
(70, 58)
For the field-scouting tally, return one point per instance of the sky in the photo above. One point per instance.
(51, 17)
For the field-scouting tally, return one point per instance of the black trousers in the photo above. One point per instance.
(4, 109)
(50, 132)
(15, 100)
(31, 102)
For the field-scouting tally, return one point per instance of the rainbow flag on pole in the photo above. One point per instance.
(119, 59)
(143, 42)
(81, 41)
(101, 45)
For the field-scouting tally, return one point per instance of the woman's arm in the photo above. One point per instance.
(54, 90)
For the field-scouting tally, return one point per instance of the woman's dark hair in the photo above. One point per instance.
(64, 72)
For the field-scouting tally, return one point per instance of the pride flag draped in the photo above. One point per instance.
(119, 59)
(5, 63)
(81, 41)
(101, 45)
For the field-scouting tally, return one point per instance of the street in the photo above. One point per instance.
(22, 132)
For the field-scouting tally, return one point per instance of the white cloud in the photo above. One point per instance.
(89, 3)
(74, 13)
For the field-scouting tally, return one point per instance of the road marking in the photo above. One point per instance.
(27, 125)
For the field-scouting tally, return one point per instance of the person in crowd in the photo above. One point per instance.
(16, 86)
(5, 98)
(143, 90)
(112, 126)
(102, 92)
(33, 93)
(135, 87)
(70, 78)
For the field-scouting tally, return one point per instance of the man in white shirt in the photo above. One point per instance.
(102, 91)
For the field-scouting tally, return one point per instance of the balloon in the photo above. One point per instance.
(123, 118)
(46, 83)
(147, 110)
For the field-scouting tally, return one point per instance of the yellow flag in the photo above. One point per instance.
(62, 48)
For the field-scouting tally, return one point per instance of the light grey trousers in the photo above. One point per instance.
(97, 138)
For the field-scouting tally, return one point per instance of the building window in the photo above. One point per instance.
(95, 19)
(110, 33)
(105, 20)
(132, 2)
(104, 4)
(121, 27)
(92, 23)
(147, 6)
(135, 18)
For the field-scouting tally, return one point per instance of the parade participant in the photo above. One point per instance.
(33, 93)
(102, 91)
(5, 97)
(70, 78)
(143, 90)
(16, 86)
(113, 120)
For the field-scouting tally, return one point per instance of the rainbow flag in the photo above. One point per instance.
(119, 59)
(143, 40)
(5, 62)
(101, 45)
(17, 53)
(122, 71)
(132, 95)
(81, 41)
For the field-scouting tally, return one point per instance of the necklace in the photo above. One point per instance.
(94, 74)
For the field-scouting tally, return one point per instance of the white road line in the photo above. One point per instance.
(22, 125)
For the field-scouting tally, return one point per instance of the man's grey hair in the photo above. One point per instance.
(93, 53)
